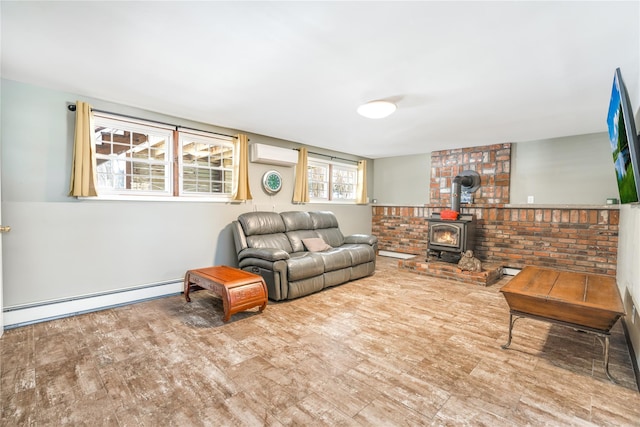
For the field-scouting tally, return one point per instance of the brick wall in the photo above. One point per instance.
(576, 239)
(492, 162)
(401, 229)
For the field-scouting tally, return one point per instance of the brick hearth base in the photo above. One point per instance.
(488, 276)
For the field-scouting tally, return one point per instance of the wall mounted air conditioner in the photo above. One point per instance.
(271, 155)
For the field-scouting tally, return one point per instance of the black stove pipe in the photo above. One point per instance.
(456, 190)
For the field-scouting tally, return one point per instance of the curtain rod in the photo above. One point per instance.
(72, 107)
(330, 156)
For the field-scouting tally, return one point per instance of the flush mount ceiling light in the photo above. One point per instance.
(377, 109)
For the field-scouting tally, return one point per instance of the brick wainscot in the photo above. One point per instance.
(574, 238)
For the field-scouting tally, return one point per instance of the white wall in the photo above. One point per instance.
(569, 170)
(402, 180)
(60, 247)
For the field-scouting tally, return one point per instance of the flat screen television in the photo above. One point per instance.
(624, 141)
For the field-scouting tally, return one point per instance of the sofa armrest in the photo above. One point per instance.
(267, 254)
(361, 239)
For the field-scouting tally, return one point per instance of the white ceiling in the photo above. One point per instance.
(462, 73)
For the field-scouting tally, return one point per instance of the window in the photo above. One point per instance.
(207, 164)
(132, 157)
(137, 158)
(344, 181)
(318, 180)
(332, 181)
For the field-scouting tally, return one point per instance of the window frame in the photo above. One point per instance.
(205, 138)
(174, 163)
(134, 126)
(330, 165)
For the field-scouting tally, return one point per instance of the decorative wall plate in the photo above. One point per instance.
(272, 181)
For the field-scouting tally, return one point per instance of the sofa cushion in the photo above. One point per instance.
(362, 270)
(326, 225)
(296, 237)
(336, 259)
(261, 223)
(300, 288)
(274, 241)
(302, 265)
(323, 219)
(297, 220)
(332, 236)
(315, 244)
(360, 254)
(337, 277)
(298, 226)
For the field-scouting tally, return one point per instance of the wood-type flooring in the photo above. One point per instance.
(393, 349)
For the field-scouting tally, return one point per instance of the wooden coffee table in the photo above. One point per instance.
(238, 289)
(586, 302)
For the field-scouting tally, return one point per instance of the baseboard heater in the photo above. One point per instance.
(27, 314)
(510, 271)
(392, 254)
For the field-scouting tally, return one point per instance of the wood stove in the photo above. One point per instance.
(449, 239)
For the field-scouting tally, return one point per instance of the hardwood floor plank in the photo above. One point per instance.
(457, 412)
(396, 348)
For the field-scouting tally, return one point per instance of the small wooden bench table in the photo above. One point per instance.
(585, 302)
(238, 289)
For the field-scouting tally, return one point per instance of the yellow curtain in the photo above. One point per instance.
(361, 196)
(241, 192)
(301, 189)
(83, 168)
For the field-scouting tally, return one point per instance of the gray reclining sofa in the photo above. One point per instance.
(277, 247)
